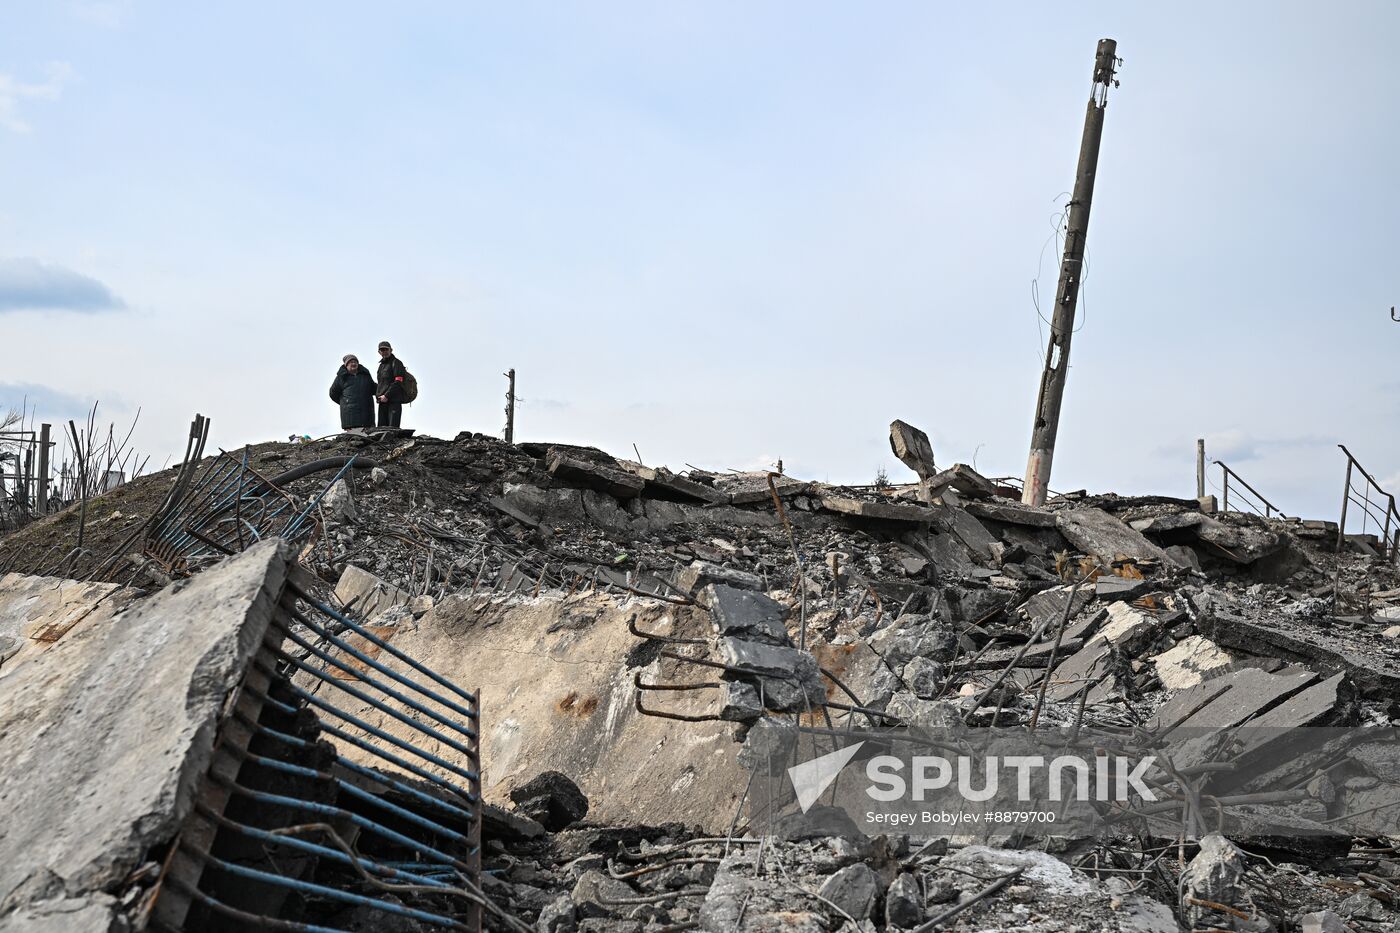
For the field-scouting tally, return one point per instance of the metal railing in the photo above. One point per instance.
(1377, 508)
(1251, 497)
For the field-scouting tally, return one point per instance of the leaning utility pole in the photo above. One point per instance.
(510, 407)
(1052, 379)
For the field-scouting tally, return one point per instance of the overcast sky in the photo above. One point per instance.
(724, 232)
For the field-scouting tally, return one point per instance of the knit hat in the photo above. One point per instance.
(384, 345)
(348, 357)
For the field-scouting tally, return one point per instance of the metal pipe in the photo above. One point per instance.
(1346, 498)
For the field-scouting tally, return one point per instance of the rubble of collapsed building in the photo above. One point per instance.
(526, 687)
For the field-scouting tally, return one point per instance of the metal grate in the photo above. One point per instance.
(312, 817)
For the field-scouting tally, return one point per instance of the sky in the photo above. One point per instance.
(727, 233)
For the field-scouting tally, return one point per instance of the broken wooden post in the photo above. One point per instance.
(1052, 379)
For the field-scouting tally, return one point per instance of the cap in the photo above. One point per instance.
(348, 357)
(384, 345)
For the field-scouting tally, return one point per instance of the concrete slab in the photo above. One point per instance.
(1127, 628)
(663, 484)
(1096, 532)
(107, 733)
(1229, 700)
(35, 612)
(612, 480)
(1050, 605)
(881, 511)
(555, 678)
(1375, 668)
(1189, 662)
(1003, 510)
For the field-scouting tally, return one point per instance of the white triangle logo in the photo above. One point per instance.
(811, 778)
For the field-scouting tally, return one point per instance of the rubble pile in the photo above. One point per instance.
(758, 604)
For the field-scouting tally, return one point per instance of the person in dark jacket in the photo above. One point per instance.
(354, 390)
(389, 389)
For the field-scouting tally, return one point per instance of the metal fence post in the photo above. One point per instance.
(1346, 497)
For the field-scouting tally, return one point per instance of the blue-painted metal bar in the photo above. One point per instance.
(375, 750)
(384, 669)
(374, 639)
(380, 733)
(407, 815)
(294, 884)
(363, 678)
(376, 776)
(383, 869)
(325, 809)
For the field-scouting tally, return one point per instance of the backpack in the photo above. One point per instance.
(410, 386)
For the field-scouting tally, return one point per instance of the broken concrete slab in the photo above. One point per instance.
(969, 531)
(117, 722)
(787, 680)
(752, 488)
(1228, 700)
(1048, 606)
(962, 478)
(663, 484)
(1128, 628)
(911, 446)
(693, 579)
(746, 614)
(1088, 668)
(1376, 673)
(612, 480)
(879, 511)
(35, 612)
(1095, 532)
(1011, 513)
(364, 595)
(1108, 587)
(1189, 662)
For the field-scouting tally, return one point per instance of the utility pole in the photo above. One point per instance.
(510, 407)
(1052, 379)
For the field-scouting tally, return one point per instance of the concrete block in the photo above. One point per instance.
(365, 595)
(108, 733)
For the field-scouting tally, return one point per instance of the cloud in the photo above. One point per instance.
(46, 404)
(31, 285)
(13, 91)
(1233, 446)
